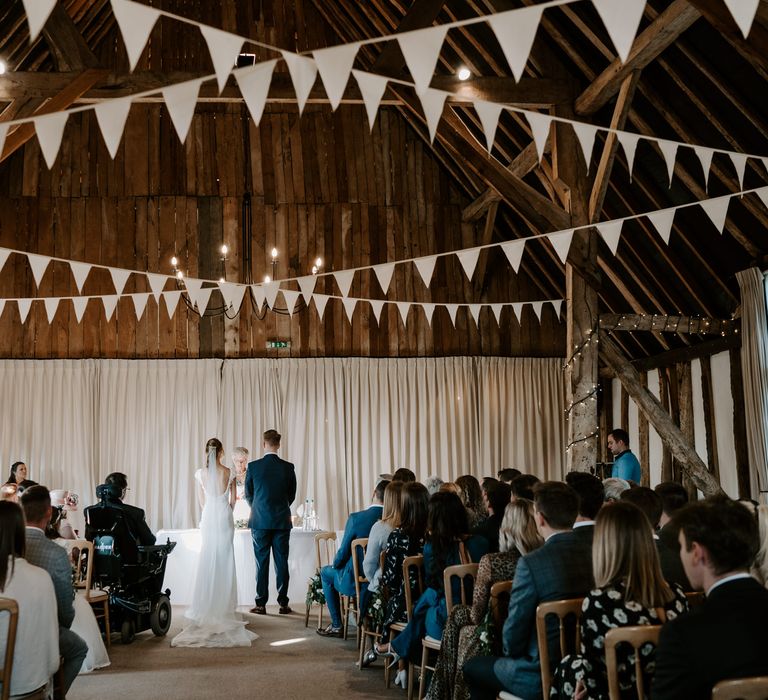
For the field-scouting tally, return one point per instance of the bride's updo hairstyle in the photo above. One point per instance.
(214, 444)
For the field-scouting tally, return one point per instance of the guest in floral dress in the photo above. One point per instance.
(630, 591)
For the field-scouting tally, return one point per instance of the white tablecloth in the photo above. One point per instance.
(182, 565)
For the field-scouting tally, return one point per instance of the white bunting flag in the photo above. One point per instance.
(349, 306)
(517, 309)
(344, 280)
(429, 310)
(585, 133)
(452, 309)
(421, 49)
(4, 253)
(432, 102)
(320, 302)
(79, 272)
(180, 99)
(628, 142)
(119, 278)
(156, 283)
(536, 306)
(539, 124)
(79, 303)
(376, 305)
(39, 264)
(200, 298)
(669, 151)
(662, 222)
(384, 275)
(110, 303)
(307, 286)
(136, 22)
(561, 242)
(474, 309)
(258, 296)
(24, 306)
(739, 161)
(372, 89)
(717, 210)
(37, 12)
(334, 65)
(270, 293)
(557, 305)
(403, 307)
(49, 129)
(254, 82)
(192, 284)
(2, 306)
(111, 116)
(497, 309)
(515, 31)
(705, 157)
(621, 20)
(51, 306)
(489, 113)
(514, 252)
(140, 303)
(171, 301)
(232, 294)
(743, 12)
(224, 49)
(611, 233)
(303, 72)
(290, 297)
(426, 268)
(762, 193)
(468, 260)
(3, 133)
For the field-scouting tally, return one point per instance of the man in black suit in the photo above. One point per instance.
(270, 488)
(725, 637)
(134, 517)
(591, 495)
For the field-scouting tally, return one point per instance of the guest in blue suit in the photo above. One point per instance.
(270, 488)
(339, 577)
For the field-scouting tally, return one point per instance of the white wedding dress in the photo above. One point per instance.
(211, 619)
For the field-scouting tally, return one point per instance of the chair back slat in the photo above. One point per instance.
(325, 549)
(83, 549)
(413, 564)
(562, 609)
(695, 599)
(742, 689)
(500, 592)
(8, 605)
(358, 554)
(462, 572)
(637, 636)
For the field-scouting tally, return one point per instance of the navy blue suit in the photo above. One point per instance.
(270, 488)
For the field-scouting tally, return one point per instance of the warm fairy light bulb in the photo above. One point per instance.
(222, 280)
(274, 253)
(464, 73)
(174, 261)
(180, 274)
(319, 262)
(224, 249)
(2, 67)
(267, 279)
(314, 269)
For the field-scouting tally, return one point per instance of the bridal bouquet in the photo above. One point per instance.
(315, 591)
(241, 524)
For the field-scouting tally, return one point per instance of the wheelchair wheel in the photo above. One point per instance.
(160, 617)
(127, 632)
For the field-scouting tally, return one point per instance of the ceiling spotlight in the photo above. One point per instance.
(224, 249)
(2, 67)
(174, 261)
(267, 279)
(464, 73)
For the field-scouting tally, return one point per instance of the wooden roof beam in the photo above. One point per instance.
(668, 324)
(68, 48)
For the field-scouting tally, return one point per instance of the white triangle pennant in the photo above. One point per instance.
(49, 129)
(349, 306)
(376, 305)
(110, 303)
(384, 275)
(254, 82)
(611, 233)
(140, 303)
(3, 133)
(539, 124)
(4, 253)
(536, 306)
(662, 222)
(468, 260)
(621, 20)
(426, 268)
(403, 307)
(669, 151)
(705, 157)
(497, 309)
(474, 309)
(79, 272)
(717, 210)
(39, 264)
(515, 31)
(557, 305)
(489, 113)
(2, 306)
(232, 294)
(432, 102)
(429, 310)
(628, 142)
(421, 49)
(290, 297)
(334, 65)
(307, 286)
(303, 72)
(51, 306)
(156, 283)
(452, 309)
(514, 252)
(37, 12)
(136, 22)
(224, 49)
(561, 242)
(743, 12)
(24, 306)
(200, 298)
(258, 295)
(344, 280)
(80, 303)
(372, 89)
(320, 302)
(193, 284)
(270, 293)
(739, 161)
(180, 99)
(585, 133)
(762, 193)
(171, 301)
(119, 278)
(111, 116)
(517, 309)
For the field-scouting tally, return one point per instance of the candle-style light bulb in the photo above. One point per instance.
(180, 275)
(319, 262)
(267, 279)
(274, 253)
(314, 269)
(174, 261)
(224, 249)
(222, 280)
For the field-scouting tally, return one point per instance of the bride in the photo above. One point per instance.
(212, 621)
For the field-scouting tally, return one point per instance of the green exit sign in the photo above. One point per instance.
(277, 344)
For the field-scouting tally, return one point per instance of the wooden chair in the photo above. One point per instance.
(413, 564)
(325, 552)
(99, 600)
(562, 609)
(742, 689)
(348, 603)
(366, 631)
(499, 604)
(695, 599)
(11, 607)
(638, 637)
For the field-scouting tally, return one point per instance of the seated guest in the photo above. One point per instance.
(450, 487)
(472, 497)
(497, 496)
(522, 486)
(18, 473)
(506, 475)
(590, 491)
(433, 484)
(613, 489)
(561, 568)
(42, 552)
(724, 637)
(404, 474)
(59, 527)
(461, 638)
(649, 502)
(630, 590)
(625, 464)
(673, 498)
(339, 578)
(135, 520)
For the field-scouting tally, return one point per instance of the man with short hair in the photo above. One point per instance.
(134, 517)
(724, 638)
(506, 475)
(339, 577)
(561, 568)
(625, 464)
(590, 492)
(270, 488)
(42, 552)
(522, 486)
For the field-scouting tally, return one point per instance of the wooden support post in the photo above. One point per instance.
(685, 406)
(689, 461)
(606, 415)
(740, 427)
(666, 455)
(708, 401)
(643, 441)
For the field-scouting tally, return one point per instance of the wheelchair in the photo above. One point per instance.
(132, 574)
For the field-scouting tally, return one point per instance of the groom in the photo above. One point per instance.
(270, 487)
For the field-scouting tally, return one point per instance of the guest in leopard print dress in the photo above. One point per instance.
(630, 591)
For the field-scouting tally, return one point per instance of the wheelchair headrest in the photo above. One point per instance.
(108, 492)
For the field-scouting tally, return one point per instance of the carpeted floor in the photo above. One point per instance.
(287, 661)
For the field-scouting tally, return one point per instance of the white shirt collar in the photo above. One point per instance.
(33, 527)
(583, 523)
(270, 452)
(554, 534)
(376, 505)
(728, 579)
